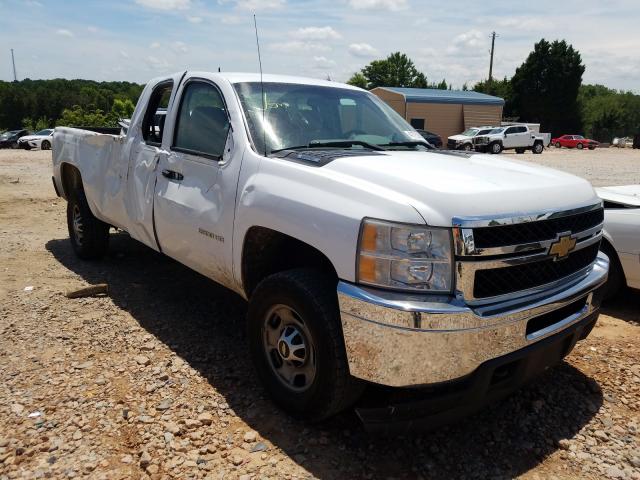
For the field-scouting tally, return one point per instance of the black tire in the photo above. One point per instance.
(45, 145)
(558, 145)
(495, 148)
(519, 151)
(592, 148)
(467, 147)
(616, 281)
(537, 148)
(579, 146)
(311, 297)
(89, 236)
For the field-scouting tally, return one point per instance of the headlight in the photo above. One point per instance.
(405, 257)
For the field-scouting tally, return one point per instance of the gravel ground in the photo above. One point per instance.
(153, 380)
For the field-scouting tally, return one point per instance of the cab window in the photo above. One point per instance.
(154, 117)
(203, 123)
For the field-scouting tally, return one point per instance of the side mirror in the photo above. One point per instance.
(505, 134)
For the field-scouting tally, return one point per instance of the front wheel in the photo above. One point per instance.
(537, 148)
(579, 146)
(558, 145)
(45, 145)
(296, 344)
(467, 147)
(89, 236)
(495, 148)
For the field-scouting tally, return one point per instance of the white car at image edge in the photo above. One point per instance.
(40, 140)
(621, 241)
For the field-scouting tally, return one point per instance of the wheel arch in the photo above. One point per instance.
(70, 177)
(266, 251)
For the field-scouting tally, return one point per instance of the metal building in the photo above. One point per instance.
(445, 112)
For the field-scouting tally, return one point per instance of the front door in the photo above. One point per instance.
(144, 146)
(195, 193)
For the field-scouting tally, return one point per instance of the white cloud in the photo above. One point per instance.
(156, 63)
(92, 29)
(33, 3)
(165, 4)
(154, 45)
(124, 54)
(233, 20)
(525, 23)
(470, 43)
(323, 63)
(64, 32)
(195, 19)
(254, 5)
(393, 5)
(362, 50)
(179, 47)
(297, 46)
(316, 33)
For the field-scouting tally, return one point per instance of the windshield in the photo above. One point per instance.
(578, 137)
(472, 132)
(44, 132)
(9, 134)
(297, 116)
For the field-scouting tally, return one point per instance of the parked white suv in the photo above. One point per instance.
(515, 137)
(464, 140)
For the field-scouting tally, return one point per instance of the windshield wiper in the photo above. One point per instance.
(410, 143)
(332, 143)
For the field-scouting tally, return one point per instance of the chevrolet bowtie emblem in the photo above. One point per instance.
(562, 246)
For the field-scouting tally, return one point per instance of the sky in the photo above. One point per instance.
(136, 40)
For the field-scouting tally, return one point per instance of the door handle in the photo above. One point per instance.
(171, 175)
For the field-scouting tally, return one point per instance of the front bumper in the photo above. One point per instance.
(402, 340)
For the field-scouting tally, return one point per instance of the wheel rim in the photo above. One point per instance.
(78, 227)
(45, 145)
(538, 148)
(558, 145)
(289, 348)
(467, 147)
(496, 148)
(579, 146)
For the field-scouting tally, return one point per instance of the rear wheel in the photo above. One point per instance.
(495, 147)
(296, 344)
(558, 145)
(579, 146)
(89, 236)
(45, 145)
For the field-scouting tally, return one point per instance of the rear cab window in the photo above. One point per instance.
(156, 114)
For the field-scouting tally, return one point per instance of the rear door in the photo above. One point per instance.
(197, 181)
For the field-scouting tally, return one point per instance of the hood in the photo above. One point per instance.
(626, 194)
(441, 186)
(459, 137)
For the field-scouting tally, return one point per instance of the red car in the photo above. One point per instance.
(574, 141)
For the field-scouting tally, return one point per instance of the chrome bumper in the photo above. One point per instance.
(404, 340)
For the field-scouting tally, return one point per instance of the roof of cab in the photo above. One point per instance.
(239, 77)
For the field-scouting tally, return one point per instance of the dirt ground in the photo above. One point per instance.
(154, 380)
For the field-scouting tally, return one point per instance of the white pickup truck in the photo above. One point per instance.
(516, 137)
(366, 256)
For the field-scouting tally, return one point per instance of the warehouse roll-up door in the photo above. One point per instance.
(479, 115)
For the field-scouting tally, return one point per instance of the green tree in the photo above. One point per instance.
(358, 80)
(499, 88)
(545, 87)
(397, 70)
(607, 113)
(122, 108)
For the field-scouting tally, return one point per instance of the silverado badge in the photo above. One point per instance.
(562, 246)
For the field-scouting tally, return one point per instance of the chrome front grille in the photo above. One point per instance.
(503, 258)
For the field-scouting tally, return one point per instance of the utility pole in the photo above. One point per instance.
(493, 44)
(13, 61)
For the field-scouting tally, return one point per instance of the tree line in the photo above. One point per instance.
(547, 89)
(38, 104)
